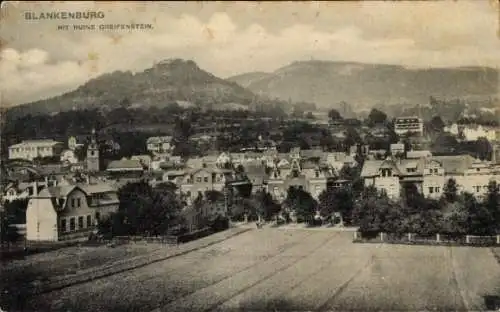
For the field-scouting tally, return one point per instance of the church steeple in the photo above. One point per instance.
(93, 153)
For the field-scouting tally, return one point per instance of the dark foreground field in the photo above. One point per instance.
(276, 269)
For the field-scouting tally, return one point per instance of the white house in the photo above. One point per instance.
(68, 212)
(68, 156)
(472, 132)
(31, 149)
(159, 144)
(223, 159)
(73, 143)
(405, 125)
(429, 174)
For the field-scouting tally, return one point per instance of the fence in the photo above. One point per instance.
(412, 238)
(164, 239)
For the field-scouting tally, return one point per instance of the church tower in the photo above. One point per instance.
(93, 154)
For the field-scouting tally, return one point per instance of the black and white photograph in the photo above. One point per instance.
(177, 156)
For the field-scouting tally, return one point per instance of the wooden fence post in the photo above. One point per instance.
(355, 235)
(438, 238)
(382, 236)
(409, 237)
(498, 239)
(467, 239)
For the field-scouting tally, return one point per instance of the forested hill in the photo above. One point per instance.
(363, 86)
(166, 82)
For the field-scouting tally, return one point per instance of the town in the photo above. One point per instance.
(237, 156)
(238, 165)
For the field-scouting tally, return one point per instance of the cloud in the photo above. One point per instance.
(228, 39)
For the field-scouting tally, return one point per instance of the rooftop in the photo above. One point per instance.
(40, 143)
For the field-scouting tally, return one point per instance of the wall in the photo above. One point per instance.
(435, 181)
(390, 185)
(41, 220)
(201, 182)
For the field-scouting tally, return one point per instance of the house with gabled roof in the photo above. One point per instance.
(69, 211)
(429, 174)
(296, 171)
(198, 181)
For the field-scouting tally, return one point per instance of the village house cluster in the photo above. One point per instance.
(66, 200)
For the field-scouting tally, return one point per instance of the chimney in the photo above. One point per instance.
(35, 188)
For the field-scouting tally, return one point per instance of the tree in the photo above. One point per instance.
(480, 219)
(327, 203)
(8, 233)
(337, 200)
(334, 114)
(455, 222)
(483, 148)
(437, 124)
(15, 210)
(370, 212)
(302, 203)
(144, 210)
(492, 203)
(266, 207)
(450, 190)
(376, 117)
(352, 138)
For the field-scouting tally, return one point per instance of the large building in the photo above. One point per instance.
(159, 145)
(68, 212)
(429, 174)
(31, 149)
(472, 132)
(408, 125)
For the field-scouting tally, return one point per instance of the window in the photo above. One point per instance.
(63, 225)
(97, 216)
(435, 170)
(431, 190)
(477, 169)
(188, 193)
(478, 188)
(80, 222)
(411, 169)
(317, 174)
(205, 179)
(73, 203)
(78, 202)
(198, 179)
(89, 221)
(430, 171)
(437, 189)
(72, 225)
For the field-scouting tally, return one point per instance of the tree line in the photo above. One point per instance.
(453, 214)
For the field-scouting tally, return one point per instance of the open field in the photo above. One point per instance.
(298, 270)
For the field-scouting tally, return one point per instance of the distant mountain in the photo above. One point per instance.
(248, 79)
(166, 82)
(365, 85)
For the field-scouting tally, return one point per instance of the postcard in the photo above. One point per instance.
(250, 156)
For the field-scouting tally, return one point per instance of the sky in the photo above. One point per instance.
(39, 61)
